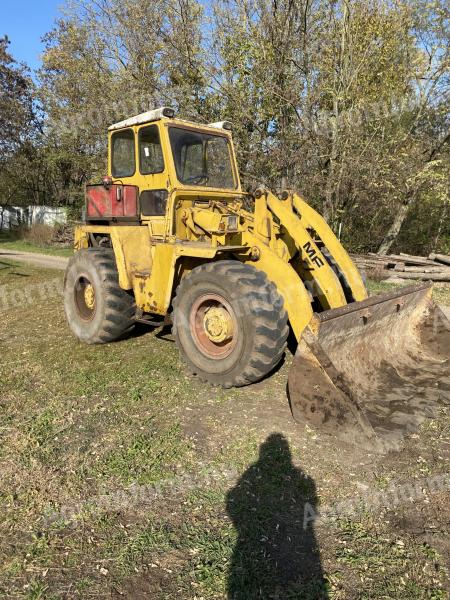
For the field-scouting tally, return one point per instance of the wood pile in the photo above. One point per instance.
(435, 267)
(63, 235)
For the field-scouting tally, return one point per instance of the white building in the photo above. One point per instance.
(13, 216)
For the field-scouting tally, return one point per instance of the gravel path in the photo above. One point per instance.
(39, 260)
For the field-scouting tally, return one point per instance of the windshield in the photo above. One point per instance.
(201, 158)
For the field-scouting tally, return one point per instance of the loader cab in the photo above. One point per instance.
(157, 155)
(136, 157)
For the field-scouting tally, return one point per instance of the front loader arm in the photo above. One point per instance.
(298, 239)
(321, 262)
(317, 270)
(297, 301)
(314, 220)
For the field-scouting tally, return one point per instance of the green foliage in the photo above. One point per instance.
(16, 111)
(343, 101)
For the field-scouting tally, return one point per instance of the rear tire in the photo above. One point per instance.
(98, 310)
(229, 323)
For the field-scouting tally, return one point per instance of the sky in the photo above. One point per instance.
(25, 22)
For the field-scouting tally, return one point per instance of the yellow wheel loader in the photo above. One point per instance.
(170, 236)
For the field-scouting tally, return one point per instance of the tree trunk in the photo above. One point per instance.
(328, 206)
(442, 221)
(340, 82)
(394, 229)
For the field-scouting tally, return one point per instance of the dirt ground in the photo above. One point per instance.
(34, 258)
(123, 477)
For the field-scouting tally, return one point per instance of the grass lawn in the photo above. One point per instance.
(10, 242)
(441, 293)
(123, 477)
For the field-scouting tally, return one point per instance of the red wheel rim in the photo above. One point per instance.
(214, 326)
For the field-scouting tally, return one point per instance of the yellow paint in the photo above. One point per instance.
(291, 288)
(81, 238)
(316, 265)
(153, 291)
(346, 265)
(203, 224)
(89, 296)
(218, 324)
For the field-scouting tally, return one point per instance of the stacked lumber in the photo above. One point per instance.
(435, 267)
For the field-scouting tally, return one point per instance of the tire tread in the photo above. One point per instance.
(120, 307)
(265, 308)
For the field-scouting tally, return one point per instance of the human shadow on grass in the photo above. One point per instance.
(272, 508)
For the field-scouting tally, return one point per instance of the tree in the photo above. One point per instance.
(16, 101)
(428, 126)
(343, 100)
(105, 61)
(333, 98)
(17, 124)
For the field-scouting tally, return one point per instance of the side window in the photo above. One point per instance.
(123, 154)
(150, 152)
(153, 203)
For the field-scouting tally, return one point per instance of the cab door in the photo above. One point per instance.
(152, 178)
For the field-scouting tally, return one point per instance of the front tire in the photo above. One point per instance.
(229, 323)
(98, 310)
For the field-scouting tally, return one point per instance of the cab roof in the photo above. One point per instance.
(160, 113)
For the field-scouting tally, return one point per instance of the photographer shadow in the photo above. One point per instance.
(272, 508)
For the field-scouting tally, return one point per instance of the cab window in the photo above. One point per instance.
(150, 152)
(123, 162)
(202, 159)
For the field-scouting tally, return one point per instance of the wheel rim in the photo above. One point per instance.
(214, 326)
(85, 301)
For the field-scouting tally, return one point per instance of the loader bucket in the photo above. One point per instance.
(373, 371)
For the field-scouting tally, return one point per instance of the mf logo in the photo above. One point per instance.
(312, 254)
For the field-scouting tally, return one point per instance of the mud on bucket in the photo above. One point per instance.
(372, 371)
